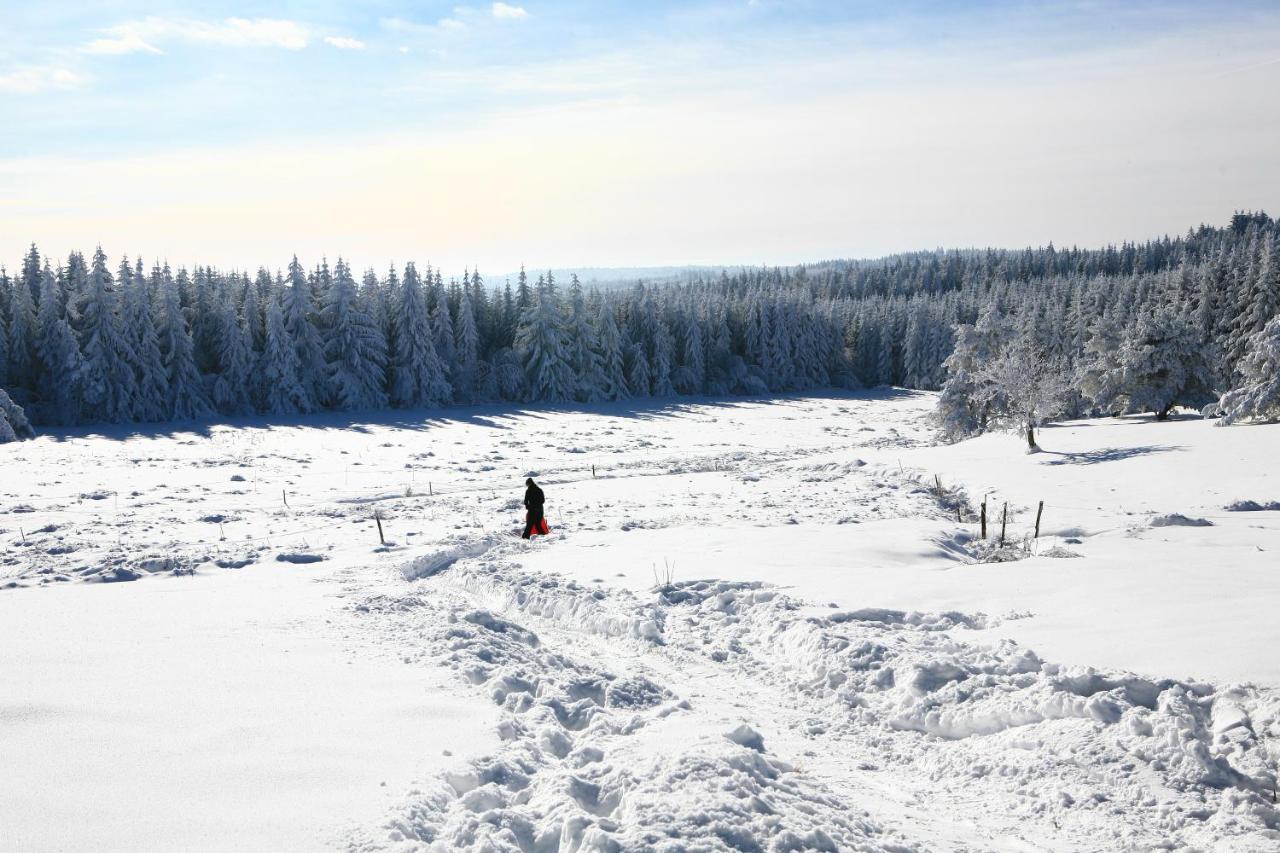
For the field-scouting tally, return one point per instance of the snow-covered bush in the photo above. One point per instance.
(1258, 395)
(13, 421)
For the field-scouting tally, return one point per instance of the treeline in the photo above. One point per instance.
(1193, 321)
(88, 341)
(85, 343)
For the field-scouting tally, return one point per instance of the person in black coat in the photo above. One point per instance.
(533, 500)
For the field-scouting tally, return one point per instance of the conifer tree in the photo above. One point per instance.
(1163, 364)
(298, 320)
(442, 327)
(58, 352)
(150, 404)
(232, 391)
(584, 359)
(690, 376)
(23, 366)
(355, 349)
(254, 321)
(110, 387)
(280, 391)
(1257, 396)
(14, 425)
(419, 378)
(467, 349)
(612, 357)
(186, 399)
(543, 349)
(638, 378)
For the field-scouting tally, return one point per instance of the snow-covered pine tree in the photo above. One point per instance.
(6, 296)
(638, 378)
(59, 354)
(662, 352)
(690, 373)
(1164, 363)
(299, 321)
(232, 389)
(719, 351)
(467, 349)
(391, 299)
(150, 403)
(1257, 396)
(968, 401)
(442, 327)
(584, 358)
(355, 350)
(14, 425)
(1262, 301)
(543, 349)
(185, 399)
(110, 387)
(23, 365)
(613, 374)
(913, 354)
(251, 309)
(524, 295)
(419, 378)
(778, 364)
(4, 330)
(482, 309)
(1099, 376)
(280, 391)
(204, 319)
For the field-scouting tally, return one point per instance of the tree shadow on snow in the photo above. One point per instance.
(1107, 454)
(500, 416)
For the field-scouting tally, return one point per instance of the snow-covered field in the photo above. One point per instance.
(757, 625)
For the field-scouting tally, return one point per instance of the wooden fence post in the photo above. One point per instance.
(1039, 511)
(984, 518)
(378, 518)
(1004, 520)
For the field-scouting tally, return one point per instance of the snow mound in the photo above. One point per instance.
(744, 735)
(441, 559)
(1178, 520)
(1253, 506)
(299, 557)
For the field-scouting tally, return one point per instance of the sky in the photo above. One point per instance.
(562, 133)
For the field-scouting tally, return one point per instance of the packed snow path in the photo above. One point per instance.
(755, 626)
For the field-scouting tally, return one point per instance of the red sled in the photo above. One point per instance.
(540, 529)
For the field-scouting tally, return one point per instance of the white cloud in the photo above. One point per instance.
(31, 79)
(502, 11)
(344, 43)
(145, 35)
(125, 42)
(440, 27)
